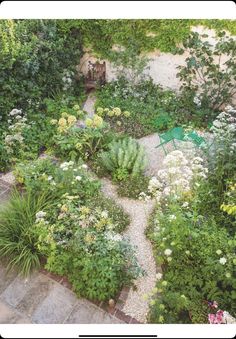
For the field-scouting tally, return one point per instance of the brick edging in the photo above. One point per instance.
(114, 311)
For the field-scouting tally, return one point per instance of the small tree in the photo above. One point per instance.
(206, 73)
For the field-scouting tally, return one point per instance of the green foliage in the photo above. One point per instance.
(96, 267)
(204, 74)
(41, 59)
(145, 35)
(151, 108)
(73, 142)
(125, 157)
(17, 241)
(193, 271)
(132, 187)
(68, 178)
(120, 219)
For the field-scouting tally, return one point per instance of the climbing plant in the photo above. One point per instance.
(164, 34)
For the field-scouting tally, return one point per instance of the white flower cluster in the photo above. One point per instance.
(67, 79)
(224, 128)
(40, 216)
(197, 100)
(228, 319)
(13, 137)
(176, 178)
(65, 166)
(112, 236)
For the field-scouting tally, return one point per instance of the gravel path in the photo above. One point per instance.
(136, 306)
(89, 105)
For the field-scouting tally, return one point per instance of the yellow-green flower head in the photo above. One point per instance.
(100, 111)
(117, 111)
(89, 122)
(97, 121)
(53, 122)
(89, 238)
(76, 107)
(110, 113)
(106, 110)
(78, 146)
(84, 210)
(71, 120)
(62, 122)
(64, 115)
(126, 114)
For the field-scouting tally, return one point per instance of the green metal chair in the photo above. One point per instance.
(176, 133)
(196, 139)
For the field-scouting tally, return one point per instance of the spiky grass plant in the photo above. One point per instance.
(17, 241)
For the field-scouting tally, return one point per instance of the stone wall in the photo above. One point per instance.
(162, 66)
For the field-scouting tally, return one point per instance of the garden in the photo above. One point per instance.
(131, 185)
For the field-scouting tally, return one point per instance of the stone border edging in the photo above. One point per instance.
(115, 311)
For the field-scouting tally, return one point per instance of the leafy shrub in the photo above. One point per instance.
(96, 267)
(73, 142)
(198, 265)
(125, 157)
(41, 57)
(80, 241)
(120, 219)
(152, 108)
(222, 167)
(205, 74)
(67, 177)
(132, 187)
(17, 241)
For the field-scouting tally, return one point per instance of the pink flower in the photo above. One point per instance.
(216, 318)
(211, 318)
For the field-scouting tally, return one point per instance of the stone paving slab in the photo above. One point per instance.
(18, 288)
(55, 308)
(41, 300)
(9, 315)
(85, 313)
(38, 292)
(6, 278)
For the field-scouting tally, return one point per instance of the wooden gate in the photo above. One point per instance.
(96, 75)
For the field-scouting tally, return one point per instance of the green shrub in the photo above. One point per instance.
(66, 178)
(97, 265)
(132, 187)
(198, 263)
(125, 157)
(41, 58)
(17, 220)
(204, 80)
(151, 108)
(120, 219)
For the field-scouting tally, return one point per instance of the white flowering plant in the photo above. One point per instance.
(177, 179)
(47, 174)
(198, 261)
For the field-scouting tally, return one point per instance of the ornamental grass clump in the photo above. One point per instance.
(125, 157)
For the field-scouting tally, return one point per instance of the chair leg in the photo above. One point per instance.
(163, 149)
(174, 143)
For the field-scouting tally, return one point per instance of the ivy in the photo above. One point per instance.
(164, 34)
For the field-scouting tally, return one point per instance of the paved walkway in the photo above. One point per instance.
(41, 300)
